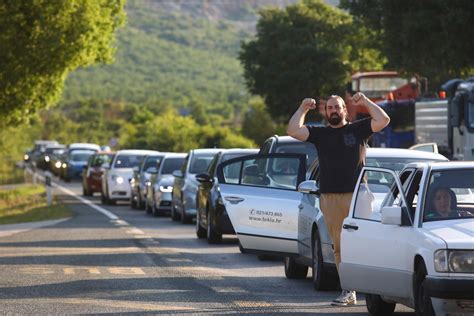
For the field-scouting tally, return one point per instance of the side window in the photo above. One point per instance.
(375, 190)
(274, 172)
(266, 147)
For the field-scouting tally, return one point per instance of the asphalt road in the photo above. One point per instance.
(138, 264)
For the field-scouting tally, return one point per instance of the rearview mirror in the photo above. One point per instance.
(391, 215)
(106, 165)
(309, 186)
(178, 173)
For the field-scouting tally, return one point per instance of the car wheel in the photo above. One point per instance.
(154, 209)
(200, 232)
(133, 203)
(103, 198)
(294, 270)
(213, 237)
(423, 306)
(241, 248)
(184, 217)
(174, 214)
(322, 279)
(377, 306)
(140, 204)
(84, 191)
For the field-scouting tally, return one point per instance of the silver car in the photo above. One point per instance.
(159, 191)
(117, 174)
(185, 184)
(275, 212)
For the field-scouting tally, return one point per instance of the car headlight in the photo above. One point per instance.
(58, 164)
(460, 261)
(166, 188)
(46, 158)
(117, 179)
(64, 165)
(26, 157)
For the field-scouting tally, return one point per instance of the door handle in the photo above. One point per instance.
(346, 226)
(233, 199)
(301, 206)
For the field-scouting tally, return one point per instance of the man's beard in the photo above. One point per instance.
(334, 119)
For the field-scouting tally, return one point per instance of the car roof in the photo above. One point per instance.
(206, 150)
(137, 152)
(445, 165)
(240, 151)
(401, 153)
(83, 151)
(175, 155)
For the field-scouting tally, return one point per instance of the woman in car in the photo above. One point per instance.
(444, 205)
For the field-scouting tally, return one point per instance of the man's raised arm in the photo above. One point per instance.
(296, 128)
(380, 119)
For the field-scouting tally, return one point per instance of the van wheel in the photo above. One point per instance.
(294, 270)
(423, 306)
(377, 306)
(174, 214)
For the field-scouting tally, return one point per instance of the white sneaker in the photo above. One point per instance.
(346, 298)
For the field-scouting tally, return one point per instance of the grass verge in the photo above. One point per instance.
(27, 203)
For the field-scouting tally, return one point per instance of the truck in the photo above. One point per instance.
(447, 123)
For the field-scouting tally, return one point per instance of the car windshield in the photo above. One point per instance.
(450, 195)
(377, 87)
(171, 164)
(299, 148)
(81, 156)
(128, 161)
(100, 159)
(152, 161)
(199, 163)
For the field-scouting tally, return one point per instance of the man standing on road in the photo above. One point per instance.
(341, 151)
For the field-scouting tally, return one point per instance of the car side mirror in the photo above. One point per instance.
(309, 186)
(392, 215)
(203, 178)
(178, 173)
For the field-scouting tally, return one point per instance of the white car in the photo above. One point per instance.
(415, 247)
(271, 217)
(117, 175)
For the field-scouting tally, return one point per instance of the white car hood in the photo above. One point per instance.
(127, 173)
(457, 233)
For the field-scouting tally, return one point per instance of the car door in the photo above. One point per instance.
(261, 198)
(374, 253)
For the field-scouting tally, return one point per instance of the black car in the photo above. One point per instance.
(212, 220)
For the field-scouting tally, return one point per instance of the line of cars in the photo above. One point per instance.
(269, 198)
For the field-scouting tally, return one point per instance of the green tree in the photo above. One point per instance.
(257, 124)
(430, 38)
(307, 49)
(42, 41)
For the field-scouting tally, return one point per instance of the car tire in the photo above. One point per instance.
(423, 305)
(103, 198)
(200, 231)
(154, 209)
(213, 237)
(140, 204)
(294, 270)
(84, 191)
(174, 215)
(241, 248)
(184, 217)
(377, 306)
(321, 278)
(133, 203)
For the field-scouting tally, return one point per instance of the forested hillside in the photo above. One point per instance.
(175, 52)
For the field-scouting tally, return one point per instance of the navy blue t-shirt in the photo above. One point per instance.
(339, 151)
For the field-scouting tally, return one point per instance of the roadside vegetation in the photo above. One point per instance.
(27, 203)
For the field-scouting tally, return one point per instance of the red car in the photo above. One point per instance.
(92, 174)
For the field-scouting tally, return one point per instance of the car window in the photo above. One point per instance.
(371, 193)
(450, 195)
(299, 148)
(80, 156)
(99, 160)
(213, 165)
(171, 164)
(200, 163)
(151, 161)
(128, 161)
(278, 173)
